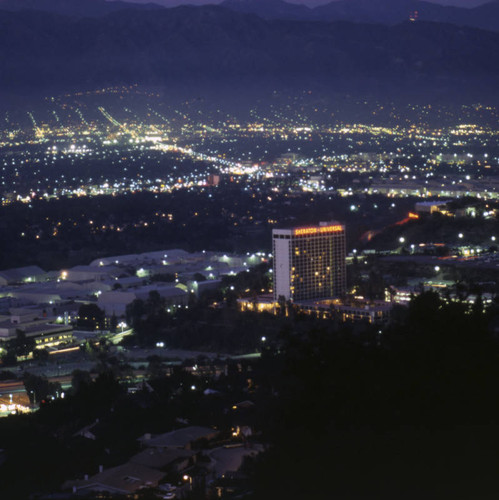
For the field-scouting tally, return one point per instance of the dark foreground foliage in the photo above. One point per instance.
(349, 412)
(409, 413)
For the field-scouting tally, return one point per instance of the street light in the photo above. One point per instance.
(188, 479)
(460, 235)
(402, 239)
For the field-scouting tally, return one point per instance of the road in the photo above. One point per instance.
(136, 354)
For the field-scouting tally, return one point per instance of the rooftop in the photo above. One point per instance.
(180, 438)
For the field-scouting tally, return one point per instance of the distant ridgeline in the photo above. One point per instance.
(211, 45)
(482, 14)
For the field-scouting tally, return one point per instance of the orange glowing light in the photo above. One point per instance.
(413, 216)
(305, 231)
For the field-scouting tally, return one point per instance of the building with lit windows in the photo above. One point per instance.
(309, 262)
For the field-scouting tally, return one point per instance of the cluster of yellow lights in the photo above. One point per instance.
(317, 230)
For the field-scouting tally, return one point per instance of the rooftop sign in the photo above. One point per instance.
(305, 231)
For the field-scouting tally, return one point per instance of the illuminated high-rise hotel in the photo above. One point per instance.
(309, 262)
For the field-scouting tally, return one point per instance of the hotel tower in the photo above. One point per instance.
(309, 262)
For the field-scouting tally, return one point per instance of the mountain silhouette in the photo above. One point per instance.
(373, 11)
(212, 44)
(361, 11)
(271, 9)
(73, 8)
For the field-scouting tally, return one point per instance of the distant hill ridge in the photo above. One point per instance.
(373, 11)
(210, 44)
(74, 8)
(361, 11)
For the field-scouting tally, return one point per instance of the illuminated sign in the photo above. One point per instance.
(305, 231)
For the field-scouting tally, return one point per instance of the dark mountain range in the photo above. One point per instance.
(467, 4)
(373, 11)
(396, 11)
(207, 45)
(271, 9)
(385, 11)
(73, 8)
(361, 11)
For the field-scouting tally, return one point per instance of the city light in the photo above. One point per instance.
(306, 231)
